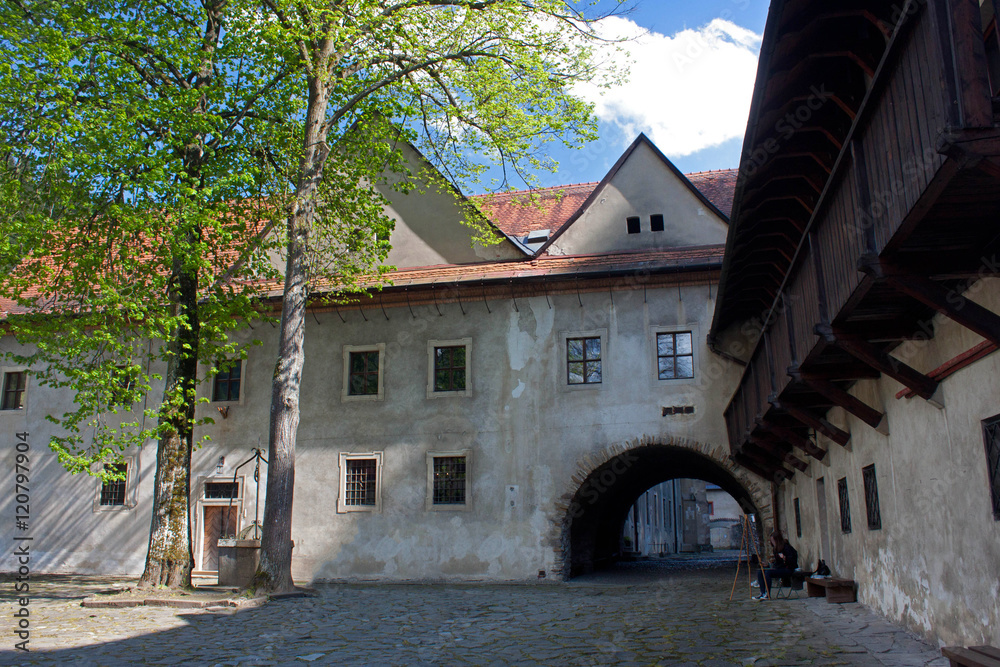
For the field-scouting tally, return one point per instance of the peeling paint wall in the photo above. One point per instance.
(934, 563)
(529, 434)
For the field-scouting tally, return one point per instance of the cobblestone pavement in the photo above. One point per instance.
(645, 613)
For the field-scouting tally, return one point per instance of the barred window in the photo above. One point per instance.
(449, 368)
(13, 390)
(583, 360)
(845, 505)
(113, 491)
(363, 373)
(449, 480)
(226, 386)
(991, 436)
(871, 498)
(361, 482)
(224, 490)
(798, 518)
(675, 355)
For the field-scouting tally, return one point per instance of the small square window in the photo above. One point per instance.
(222, 490)
(583, 360)
(360, 482)
(633, 225)
(871, 498)
(675, 355)
(845, 505)
(14, 385)
(364, 368)
(991, 436)
(227, 381)
(449, 368)
(113, 491)
(656, 222)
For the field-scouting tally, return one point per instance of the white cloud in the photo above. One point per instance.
(686, 92)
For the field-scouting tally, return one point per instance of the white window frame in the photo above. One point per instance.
(451, 507)
(695, 354)
(458, 342)
(563, 365)
(27, 387)
(342, 506)
(348, 349)
(243, 384)
(202, 501)
(130, 500)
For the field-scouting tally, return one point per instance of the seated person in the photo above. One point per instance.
(786, 560)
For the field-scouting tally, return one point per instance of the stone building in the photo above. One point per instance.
(671, 517)
(859, 287)
(492, 414)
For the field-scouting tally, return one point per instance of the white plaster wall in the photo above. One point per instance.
(524, 426)
(934, 564)
(643, 186)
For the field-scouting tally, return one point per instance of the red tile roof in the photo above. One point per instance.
(717, 185)
(518, 213)
(691, 257)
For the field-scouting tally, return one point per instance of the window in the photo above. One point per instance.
(364, 368)
(224, 490)
(360, 482)
(363, 374)
(798, 518)
(845, 505)
(656, 222)
(448, 480)
(14, 384)
(991, 435)
(113, 491)
(711, 508)
(871, 498)
(449, 368)
(226, 384)
(675, 355)
(632, 225)
(583, 360)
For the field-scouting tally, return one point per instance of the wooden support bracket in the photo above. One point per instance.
(838, 435)
(776, 451)
(969, 314)
(794, 439)
(922, 385)
(852, 404)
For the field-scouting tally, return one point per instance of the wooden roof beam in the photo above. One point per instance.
(862, 350)
(819, 424)
(775, 450)
(841, 398)
(954, 306)
(794, 439)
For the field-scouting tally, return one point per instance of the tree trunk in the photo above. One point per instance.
(274, 573)
(169, 558)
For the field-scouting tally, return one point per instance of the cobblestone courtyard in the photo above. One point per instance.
(653, 614)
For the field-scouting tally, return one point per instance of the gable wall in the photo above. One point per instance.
(644, 185)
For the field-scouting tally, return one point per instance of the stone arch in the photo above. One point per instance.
(590, 514)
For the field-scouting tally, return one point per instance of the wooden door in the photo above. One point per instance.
(212, 531)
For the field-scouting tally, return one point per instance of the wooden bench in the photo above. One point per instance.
(974, 656)
(835, 590)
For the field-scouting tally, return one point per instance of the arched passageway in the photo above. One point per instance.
(597, 511)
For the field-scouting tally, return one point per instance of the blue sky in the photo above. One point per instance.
(693, 65)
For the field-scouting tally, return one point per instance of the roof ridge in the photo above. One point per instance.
(510, 193)
(712, 171)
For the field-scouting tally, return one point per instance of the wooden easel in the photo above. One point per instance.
(748, 546)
